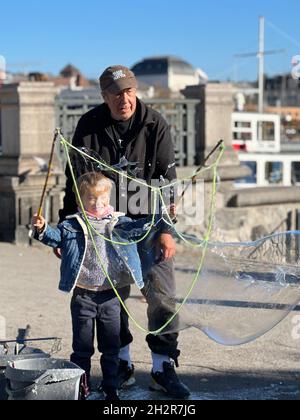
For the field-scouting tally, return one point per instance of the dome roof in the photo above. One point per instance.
(69, 71)
(162, 65)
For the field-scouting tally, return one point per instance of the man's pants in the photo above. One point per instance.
(98, 311)
(160, 292)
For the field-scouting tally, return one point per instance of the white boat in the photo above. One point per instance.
(257, 139)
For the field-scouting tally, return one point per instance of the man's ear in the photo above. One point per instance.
(104, 97)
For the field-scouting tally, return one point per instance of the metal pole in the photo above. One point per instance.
(261, 57)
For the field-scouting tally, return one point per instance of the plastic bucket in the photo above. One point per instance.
(44, 380)
(7, 354)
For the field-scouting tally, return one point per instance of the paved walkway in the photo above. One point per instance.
(269, 368)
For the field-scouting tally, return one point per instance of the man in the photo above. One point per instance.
(124, 127)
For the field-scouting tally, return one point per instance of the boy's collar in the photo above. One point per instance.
(108, 213)
(92, 217)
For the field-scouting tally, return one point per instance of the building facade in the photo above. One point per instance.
(168, 72)
(283, 91)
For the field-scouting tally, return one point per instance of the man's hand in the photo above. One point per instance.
(166, 246)
(57, 253)
(173, 211)
(38, 222)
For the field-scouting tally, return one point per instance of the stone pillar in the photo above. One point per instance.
(198, 92)
(218, 122)
(213, 123)
(213, 119)
(27, 129)
(27, 125)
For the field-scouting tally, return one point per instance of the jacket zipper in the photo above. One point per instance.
(117, 146)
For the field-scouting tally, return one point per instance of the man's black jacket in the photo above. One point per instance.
(150, 145)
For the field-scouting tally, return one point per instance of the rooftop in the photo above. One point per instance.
(161, 65)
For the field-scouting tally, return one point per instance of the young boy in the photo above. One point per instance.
(94, 303)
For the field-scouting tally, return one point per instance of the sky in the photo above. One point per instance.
(91, 34)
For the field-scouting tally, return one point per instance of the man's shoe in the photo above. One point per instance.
(110, 394)
(125, 375)
(168, 382)
(85, 387)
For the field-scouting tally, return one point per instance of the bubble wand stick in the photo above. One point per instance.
(40, 210)
(193, 180)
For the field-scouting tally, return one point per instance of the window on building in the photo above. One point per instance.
(266, 131)
(295, 173)
(252, 178)
(242, 124)
(274, 172)
(239, 134)
(292, 100)
(242, 136)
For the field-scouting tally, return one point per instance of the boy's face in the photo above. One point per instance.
(95, 200)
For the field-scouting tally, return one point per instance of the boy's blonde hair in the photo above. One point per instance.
(93, 180)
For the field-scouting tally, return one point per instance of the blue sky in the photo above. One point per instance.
(94, 34)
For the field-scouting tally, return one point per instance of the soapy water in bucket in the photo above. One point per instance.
(233, 292)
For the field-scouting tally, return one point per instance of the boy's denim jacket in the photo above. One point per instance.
(72, 234)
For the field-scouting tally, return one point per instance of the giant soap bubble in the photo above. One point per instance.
(233, 292)
(241, 292)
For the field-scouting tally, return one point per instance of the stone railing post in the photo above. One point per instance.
(27, 128)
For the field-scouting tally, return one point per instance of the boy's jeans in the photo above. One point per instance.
(100, 312)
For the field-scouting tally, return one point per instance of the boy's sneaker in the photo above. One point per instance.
(125, 375)
(110, 394)
(168, 382)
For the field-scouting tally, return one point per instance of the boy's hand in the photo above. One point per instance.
(38, 222)
(167, 246)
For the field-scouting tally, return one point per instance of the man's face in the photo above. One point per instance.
(123, 105)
